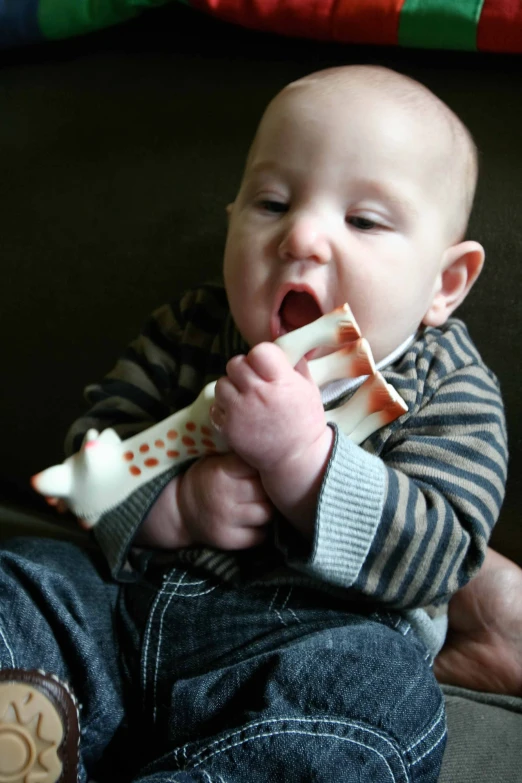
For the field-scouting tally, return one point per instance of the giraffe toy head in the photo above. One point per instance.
(97, 461)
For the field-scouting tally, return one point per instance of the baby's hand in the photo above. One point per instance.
(268, 411)
(222, 503)
(219, 501)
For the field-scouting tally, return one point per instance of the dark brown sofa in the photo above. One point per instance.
(119, 152)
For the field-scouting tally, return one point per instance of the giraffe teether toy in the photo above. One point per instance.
(107, 470)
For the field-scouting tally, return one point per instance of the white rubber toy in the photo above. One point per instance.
(107, 470)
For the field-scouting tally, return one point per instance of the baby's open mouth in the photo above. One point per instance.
(298, 308)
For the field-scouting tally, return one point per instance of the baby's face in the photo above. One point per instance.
(339, 203)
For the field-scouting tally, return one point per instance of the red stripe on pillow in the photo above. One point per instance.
(367, 21)
(302, 18)
(500, 26)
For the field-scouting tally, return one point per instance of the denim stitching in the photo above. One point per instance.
(437, 719)
(294, 720)
(430, 750)
(148, 632)
(309, 734)
(190, 595)
(289, 609)
(273, 608)
(9, 650)
(158, 645)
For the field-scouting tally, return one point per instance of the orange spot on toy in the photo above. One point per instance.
(151, 462)
(208, 443)
(206, 430)
(172, 434)
(172, 454)
(144, 448)
(188, 441)
(190, 426)
(134, 470)
(129, 456)
(193, 452)
(159, 444)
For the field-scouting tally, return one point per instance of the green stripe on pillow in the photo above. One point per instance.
(63, 18)
(440, 24)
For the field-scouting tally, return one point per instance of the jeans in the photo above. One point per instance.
(186, 678)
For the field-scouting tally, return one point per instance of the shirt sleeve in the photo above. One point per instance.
(408, 525)
(161, 371)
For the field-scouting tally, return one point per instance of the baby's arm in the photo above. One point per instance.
(406, 521)
(218, 501)
(160, 371)
(406, 525)
(272, 416)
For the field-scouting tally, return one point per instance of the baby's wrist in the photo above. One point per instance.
(293, 485)
(164, 526)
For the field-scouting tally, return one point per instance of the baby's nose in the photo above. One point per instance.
(306, 239)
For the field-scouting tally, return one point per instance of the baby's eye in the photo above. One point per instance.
(269, 205)
(361, 223)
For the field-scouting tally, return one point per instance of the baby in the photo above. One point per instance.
(280, 615)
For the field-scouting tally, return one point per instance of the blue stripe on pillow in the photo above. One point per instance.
(19, 23)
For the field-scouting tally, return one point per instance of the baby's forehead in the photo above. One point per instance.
(380, 101)
(358, 93)
(345, 116)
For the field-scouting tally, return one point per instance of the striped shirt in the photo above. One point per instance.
(402, 520)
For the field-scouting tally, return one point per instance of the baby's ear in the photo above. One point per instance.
(461, 265)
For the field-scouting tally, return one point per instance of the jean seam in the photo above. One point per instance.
(439, 737)
(429, 750)
(272, 608)
(283, 607)
(146, 640)
(166, 592)
(299, 721)
(289, 609)
(313, 734)
(3, 637)
(148, 633)
(436, 720)
(171, 595)
(190, 595)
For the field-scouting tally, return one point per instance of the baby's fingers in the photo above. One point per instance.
(257, 514)
(269, 362)
(247, 537)
(241, 374)
(226, 396)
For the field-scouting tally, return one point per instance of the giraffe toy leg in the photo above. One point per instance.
(373, 405)
(351, 361)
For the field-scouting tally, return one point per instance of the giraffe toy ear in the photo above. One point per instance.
(109, 437)
(54, 482)
(89, 437)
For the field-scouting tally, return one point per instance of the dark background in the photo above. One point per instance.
(118, 154)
